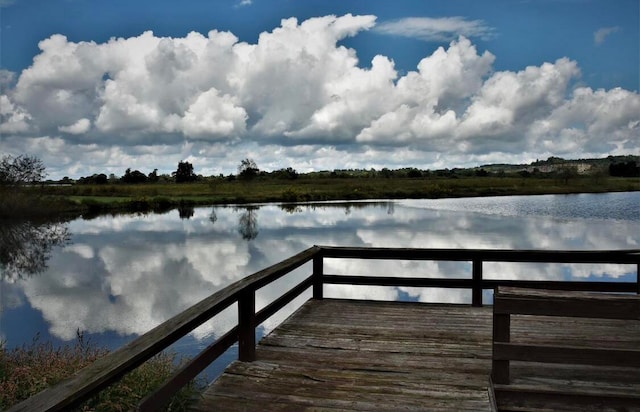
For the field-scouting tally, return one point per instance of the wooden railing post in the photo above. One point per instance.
(246, 326)
(476, 291)
(501, 334)
(318, 283)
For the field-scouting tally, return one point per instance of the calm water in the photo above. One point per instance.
(116, 277)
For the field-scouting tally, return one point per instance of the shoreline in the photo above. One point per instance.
(89, 201)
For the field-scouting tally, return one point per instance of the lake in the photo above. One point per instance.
(115, 277)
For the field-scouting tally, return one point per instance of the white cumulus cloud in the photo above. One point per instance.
(298, 97)
(79, 127)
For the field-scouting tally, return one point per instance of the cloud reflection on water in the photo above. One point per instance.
(127, 274)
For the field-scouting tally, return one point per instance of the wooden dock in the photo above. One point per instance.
(391, 356)
(362, 355)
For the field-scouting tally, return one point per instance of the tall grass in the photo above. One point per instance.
(160, 197)
(27, 370)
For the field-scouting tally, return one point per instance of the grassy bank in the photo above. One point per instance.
(96, 199)
(31, 368)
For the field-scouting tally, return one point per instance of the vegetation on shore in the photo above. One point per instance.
(162, 197)
(27, 370)
(137, 192)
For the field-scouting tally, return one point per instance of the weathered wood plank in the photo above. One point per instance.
(486, 255)
(569, 304)
(504, 351)
(354, 355)
(388, 356)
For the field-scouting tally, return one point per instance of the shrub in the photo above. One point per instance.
(27, 370)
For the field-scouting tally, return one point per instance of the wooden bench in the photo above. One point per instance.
(572, 369)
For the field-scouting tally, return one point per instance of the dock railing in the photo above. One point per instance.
(569, 304)
(90, 380)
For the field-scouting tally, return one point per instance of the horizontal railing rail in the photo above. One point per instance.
(477, 283)
(112, 367)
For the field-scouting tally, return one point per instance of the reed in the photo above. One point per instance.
(26, 370)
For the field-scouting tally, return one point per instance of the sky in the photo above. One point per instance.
(99, 87)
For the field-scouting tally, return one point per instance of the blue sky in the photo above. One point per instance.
(499, 81)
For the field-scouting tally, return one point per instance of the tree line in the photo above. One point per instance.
(184, 173)
(26, 169)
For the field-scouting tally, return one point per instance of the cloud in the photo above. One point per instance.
(601, 34)
(127, 274)
(13, 119)
(7, 78)
(81, 126)
(436, 29)
(298, 97)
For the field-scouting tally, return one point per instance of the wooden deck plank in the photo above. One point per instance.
(357, 355)
(389, 356)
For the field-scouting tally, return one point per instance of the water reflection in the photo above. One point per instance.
(127, 274)
(186, 211)
(248, 223)
(25, 247)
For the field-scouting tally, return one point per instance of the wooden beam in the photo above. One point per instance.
(397, 281)
(631, 256)
(247, 326)
(566, 354)
(569, 304)
(476, 292)
(501, 333)
(584, 286)
(266, 312)
(318, 273)
(532, 397)
(158, 399)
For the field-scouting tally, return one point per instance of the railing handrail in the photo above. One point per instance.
(113, 366)
(485, 255)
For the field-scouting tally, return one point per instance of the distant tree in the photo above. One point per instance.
(414, 173)
(101, 179)
(20, 170)
(135, 176)
(153, 176)
(386, 173)
(184, 173)
(554, 160)
(625, 169)
(94, 179)
(248, 169)
(288, 173)
(482, 173)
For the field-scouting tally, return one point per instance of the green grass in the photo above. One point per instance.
(31, 368)
(96, 199)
